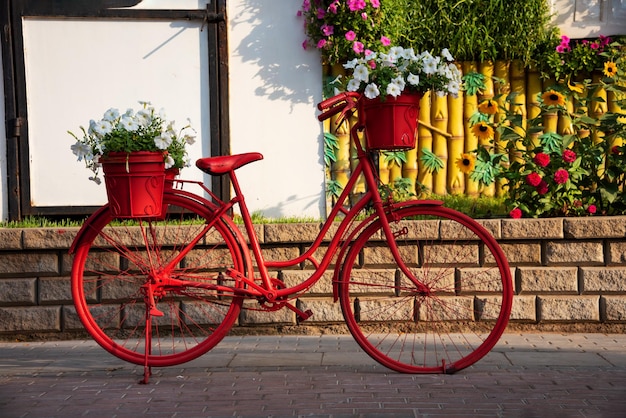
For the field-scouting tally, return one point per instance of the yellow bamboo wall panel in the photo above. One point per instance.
(456, 144)
(424, 140)
(502, 88)
(439, 120)
(410, 168)
(534, 87)
(614, 107)
(470, 106)
(340, 169)
(598, 106)
(518, 87)
(359, 186)
(486, 68)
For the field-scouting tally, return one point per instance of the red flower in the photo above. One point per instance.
(615, 150)
(542, 188)
(515, 213)
(533, 179)
(569, 156)
(592, 209)
(561, 176)
(541, 159)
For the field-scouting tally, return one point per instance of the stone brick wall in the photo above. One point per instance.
(567, 272)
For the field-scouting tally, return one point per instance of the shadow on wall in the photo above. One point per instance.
(274, 46)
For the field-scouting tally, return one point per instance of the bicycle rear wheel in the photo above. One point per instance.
(456, 321)
(132, 302)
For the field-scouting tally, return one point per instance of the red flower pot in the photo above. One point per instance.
(134, 183)
(392, 124)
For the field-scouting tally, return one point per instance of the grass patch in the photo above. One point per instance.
(479, 208)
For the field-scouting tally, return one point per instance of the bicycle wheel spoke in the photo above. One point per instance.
(445, 317)
(157, 272)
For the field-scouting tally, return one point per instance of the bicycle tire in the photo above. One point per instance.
(115, 260)
(448, 328)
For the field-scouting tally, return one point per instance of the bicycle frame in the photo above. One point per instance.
(267, 290)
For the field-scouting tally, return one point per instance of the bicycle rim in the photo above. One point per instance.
(158, 325)
(452, 325)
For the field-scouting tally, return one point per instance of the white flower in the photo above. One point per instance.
(353, 85)
(453, 87)
(413, 79)
(447, 55)
(82, 151)
(371, 91)
(111, 114)
(129, 124)
(169, 162)
(430, 66)
(351, 64)
(143, 117)
(396, 52)
(163, 141)
(102, 127)
(393, 90)
(400, 82)
(189, 139)
(409, 54)
(361, 73)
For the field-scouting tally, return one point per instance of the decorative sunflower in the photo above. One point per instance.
(553, 98)
(466, 163)
(482, 130)
(488, 107)
(610, 69)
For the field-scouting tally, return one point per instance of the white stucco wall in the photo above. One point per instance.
(274, 87)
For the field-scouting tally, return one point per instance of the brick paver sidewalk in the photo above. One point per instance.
(526, 375)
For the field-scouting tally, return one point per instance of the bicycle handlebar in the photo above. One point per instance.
(341, 103)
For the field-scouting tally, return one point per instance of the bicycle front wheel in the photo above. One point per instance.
(129, 296)
(453, 309)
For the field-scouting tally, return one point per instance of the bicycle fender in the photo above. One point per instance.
(85, 232)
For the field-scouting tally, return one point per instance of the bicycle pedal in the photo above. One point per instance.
(305, 315)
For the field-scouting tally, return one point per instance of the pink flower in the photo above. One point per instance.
(306, 5)
(327, 30)
(385, 41)
(533, 179)
(561, 176)
(321, 43)
(569, 156)
(515, 213)
(542, 159)
(304, 44)
(350, 35)
(364, 16)
(333, 7)
(604, 40)
(321, 13)
(358, 47)
(542, 187)
(594, 45)
(592, 209)
(375, 3)
(372, 64)
(356, 5)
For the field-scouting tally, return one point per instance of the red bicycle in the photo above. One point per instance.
(160, 292)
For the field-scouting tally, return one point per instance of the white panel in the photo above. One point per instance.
(590, 18)
(172, 4)
(274, 87)
(77, 69)
(587, 11)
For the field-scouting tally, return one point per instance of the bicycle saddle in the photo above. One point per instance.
(223, 164)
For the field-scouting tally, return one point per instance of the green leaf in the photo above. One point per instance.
(432, 163)
(331, 143)
(552, 142)
(397, 157)
(474, 83)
